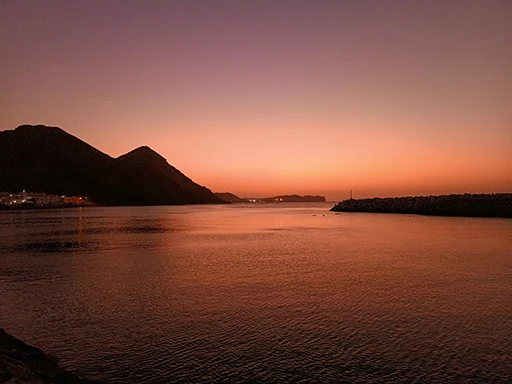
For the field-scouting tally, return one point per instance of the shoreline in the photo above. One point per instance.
(21, 207)
(496, 205)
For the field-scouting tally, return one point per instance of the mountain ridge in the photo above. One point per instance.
(50, 160)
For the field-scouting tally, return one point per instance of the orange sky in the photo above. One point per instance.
(275, 97)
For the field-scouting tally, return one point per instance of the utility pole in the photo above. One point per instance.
(350, 194)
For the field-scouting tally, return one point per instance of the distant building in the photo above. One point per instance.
(5, 197)
(41, 199)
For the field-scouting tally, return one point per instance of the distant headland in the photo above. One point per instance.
(470, 205)
(49, 161)
(232, 198)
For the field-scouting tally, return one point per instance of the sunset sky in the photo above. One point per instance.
(259, 98)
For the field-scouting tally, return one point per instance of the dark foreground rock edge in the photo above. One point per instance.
(22, 364)
(497, 205)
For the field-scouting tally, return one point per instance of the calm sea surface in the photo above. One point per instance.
(260, 293)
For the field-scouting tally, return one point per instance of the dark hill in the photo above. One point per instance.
(47, 159)
(143, 167)
(230, 197)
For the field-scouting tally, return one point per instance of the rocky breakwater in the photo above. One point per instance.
(471, 205)
(22, 364)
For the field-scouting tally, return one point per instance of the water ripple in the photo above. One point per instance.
(216, 295)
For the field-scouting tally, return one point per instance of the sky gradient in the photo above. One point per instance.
(259, 98)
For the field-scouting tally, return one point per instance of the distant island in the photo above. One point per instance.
(471, 205)
(47, 160)
(21, 363)
(293, 199)
(231, 198)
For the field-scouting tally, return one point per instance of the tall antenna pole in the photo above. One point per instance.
(350, 194)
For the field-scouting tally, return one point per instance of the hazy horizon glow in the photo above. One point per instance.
(261, 98)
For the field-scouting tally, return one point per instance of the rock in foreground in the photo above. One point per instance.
(471, 205)
(22, 364)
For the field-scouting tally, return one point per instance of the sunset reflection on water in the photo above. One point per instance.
(266, 293)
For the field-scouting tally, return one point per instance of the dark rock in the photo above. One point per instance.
(472, 205)
(22, 364)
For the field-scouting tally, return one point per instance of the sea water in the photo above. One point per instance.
(268, 293)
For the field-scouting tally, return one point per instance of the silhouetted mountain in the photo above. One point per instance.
(148, 168)
(475, 205)
(47, 159)
(230, 198)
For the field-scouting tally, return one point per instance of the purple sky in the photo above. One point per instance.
(269, 97)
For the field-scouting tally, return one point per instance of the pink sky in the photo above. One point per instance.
(260, 98)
